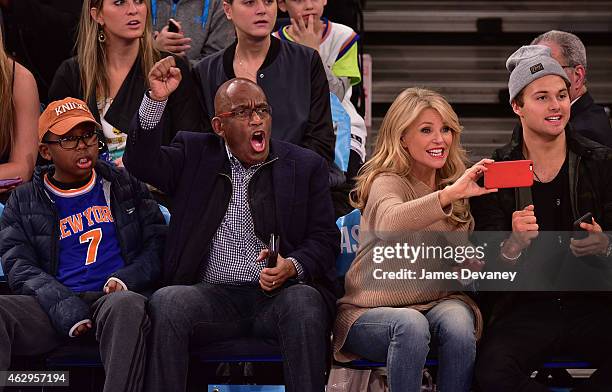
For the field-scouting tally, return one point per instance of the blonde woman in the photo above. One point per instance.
(417, 182)
(19, 109)
(114, 54)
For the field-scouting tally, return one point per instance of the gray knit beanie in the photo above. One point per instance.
(529, 63)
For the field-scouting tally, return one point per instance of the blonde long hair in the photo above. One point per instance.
(390, 157)
(91, 54)
(7, 106)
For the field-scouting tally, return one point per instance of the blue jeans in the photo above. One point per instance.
(401, 337)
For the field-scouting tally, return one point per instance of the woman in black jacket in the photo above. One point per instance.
(291, 75)
(114, 54)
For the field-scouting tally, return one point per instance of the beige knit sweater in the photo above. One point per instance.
(396, 205)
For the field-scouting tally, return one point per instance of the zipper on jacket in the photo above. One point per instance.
(232, 190)
(248, 193)
(112, 203)
(249, 196)
(575, 204)
(55, 234)
(262, 165)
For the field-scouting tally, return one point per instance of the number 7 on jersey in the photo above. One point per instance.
(93, 237)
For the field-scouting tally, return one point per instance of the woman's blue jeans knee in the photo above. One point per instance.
(401, 336)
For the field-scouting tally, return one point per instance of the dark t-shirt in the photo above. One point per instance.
(552, 202)
(552, 207)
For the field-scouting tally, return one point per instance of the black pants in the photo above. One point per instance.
(533, 331)
(120, 327)
(184, 316)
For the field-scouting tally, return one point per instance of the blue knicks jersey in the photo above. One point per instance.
(89, 249)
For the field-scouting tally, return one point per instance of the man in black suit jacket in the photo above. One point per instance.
(232, 190)
(586, 118)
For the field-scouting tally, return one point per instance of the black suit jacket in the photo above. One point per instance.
(591, 121)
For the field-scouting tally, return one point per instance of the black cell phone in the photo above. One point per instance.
(579, 232)
(172, 26)
(273, 251)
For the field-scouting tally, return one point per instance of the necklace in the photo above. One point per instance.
(536, 176)
(251, 75)
(552, 175)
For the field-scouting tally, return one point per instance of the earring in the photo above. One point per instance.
(101, 36)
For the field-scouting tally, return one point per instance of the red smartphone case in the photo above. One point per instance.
(509, 174)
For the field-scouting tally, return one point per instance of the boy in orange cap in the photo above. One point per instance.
(78, 244)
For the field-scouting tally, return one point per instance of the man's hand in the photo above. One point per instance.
(175, 43)
(164, 79)
(306, 35)
(595, 244)
(474, 265)
(273, 278)
(81, 329)
(524, 230)
(112, 286)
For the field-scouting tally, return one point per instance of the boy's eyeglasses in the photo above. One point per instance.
(72, 142)
(247, 113)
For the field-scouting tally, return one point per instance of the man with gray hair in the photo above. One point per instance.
(587, 118)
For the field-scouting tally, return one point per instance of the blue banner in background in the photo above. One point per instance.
(342, 129)
(349, 242)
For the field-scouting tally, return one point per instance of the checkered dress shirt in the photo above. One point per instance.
(235, 246)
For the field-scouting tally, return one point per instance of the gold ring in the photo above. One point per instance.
(273, 283)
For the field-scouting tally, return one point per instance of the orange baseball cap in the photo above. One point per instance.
(61, 116)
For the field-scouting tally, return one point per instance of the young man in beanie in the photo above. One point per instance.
(78, 243)
(573, 176)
